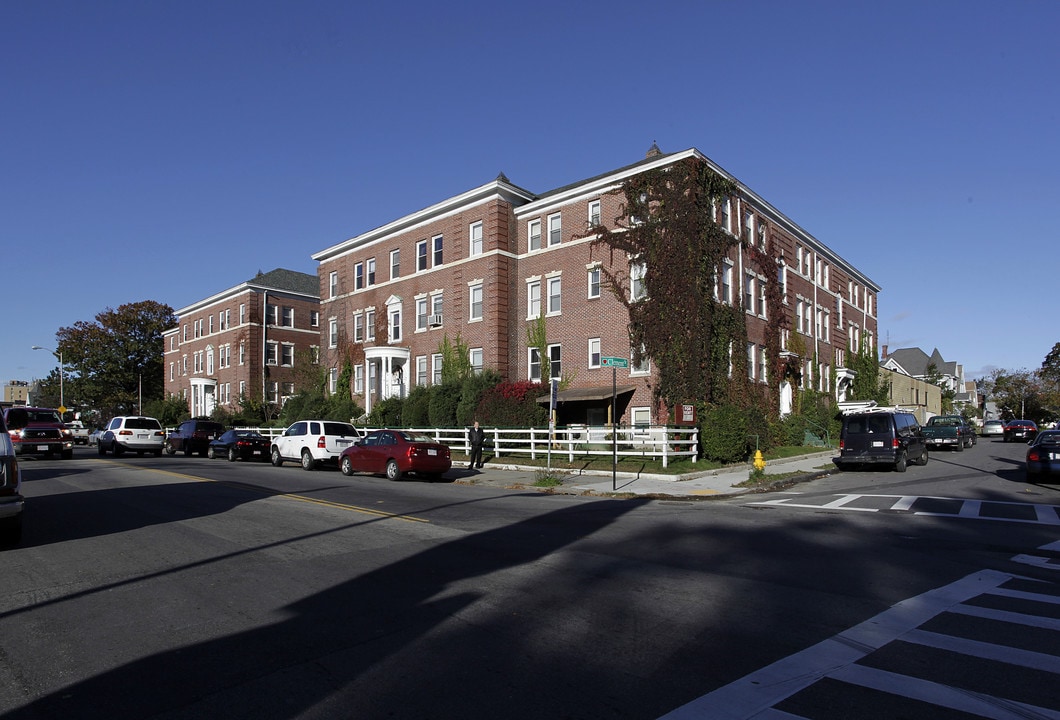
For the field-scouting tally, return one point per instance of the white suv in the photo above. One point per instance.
(11, 500)
(137, 434)
(313, 442)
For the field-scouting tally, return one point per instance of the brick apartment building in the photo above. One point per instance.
(482, 265)
(244, 342)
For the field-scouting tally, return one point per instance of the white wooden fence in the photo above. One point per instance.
(655, 442)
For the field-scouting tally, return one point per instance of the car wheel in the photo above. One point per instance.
(232, 454)
(959, 447)
(924, 458)
(170, 450)
(117, 449)
(211, 453)
(308, 463)
(900, 466)
(187, 450)
(346, 465)
(277, 460)
(393, 472)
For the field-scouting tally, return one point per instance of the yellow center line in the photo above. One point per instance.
(277, 493)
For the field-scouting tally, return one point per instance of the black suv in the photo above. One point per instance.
(11, 502)
(881, 437)
(193, 436)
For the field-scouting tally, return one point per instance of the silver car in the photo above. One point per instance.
(993, 427)
(135, 433)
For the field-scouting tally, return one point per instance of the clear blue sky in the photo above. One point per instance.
(169, 150)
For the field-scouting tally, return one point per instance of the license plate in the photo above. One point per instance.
(1054, 456)
(877, 443)
(432, 451)
(257, 452)
(141, 436)
(42, 448)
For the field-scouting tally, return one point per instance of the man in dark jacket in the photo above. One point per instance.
(476, 436)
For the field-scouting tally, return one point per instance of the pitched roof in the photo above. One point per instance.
(289, 280)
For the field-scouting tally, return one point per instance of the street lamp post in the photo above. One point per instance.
(62, 402)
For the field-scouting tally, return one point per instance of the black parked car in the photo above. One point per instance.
(240, 445)
(1043, 455)
(881, 437)
(193, 436)
(1024, 430)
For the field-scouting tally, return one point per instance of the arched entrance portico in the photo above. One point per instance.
(203, 396)
(386, 370)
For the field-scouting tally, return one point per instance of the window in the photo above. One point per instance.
(369, 324)
(475, 356)
(555, 229)
(761, 297)
(594, 352)
(594, 282)
(533, 299)
(533, 232)
(555, 296)
(640, 417)
(421, 370)
(747, 230)
(242, 353)
(436, 243)
(333, 334)
(272, 313)
(243, 313)
(287, 355)
(639, 368)
(555, 361)
(209, 360)
(358, 276)
(358, 379)
(436, 369)
(637, 288)
(271, 353)
(475, 302)
(594, 212)
(395, 264)
(751, 356)
(475, 233)
(762, 365)
(333, 289)
(421, 255)
(288, 317)
(314, 354)
(749, 293)
(211, 324)
(394, 324)
(534, 364)
(726, 283)
(840, 357)
(333, 381)
(726, 222)
(421, 314)
(358, 327)
(760, 229)
(370, 265)
(314, 318)
(436, 308)
(802, 316)
(242, 388)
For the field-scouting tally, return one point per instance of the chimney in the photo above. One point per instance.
(653, 151)
(883, 352)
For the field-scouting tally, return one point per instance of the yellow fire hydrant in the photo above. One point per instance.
(759, 462)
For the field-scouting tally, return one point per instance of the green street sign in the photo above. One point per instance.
(614, 362)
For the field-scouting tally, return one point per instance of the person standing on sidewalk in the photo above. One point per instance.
(476, 436)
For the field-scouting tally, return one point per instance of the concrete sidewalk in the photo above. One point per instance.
(712, 483)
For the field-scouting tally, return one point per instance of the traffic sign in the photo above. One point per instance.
(614, 362)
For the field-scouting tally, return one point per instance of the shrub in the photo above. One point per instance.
(723, 432)
(441, 409)
(415, 412)
(509, 404)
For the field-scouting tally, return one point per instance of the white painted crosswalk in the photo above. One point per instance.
(875, 662)
(926, 505)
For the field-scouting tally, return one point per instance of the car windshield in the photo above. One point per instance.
(340, 429)
(1049, 438)
(416, 437)
(248, 434)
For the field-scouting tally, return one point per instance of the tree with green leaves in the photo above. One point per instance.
(116, 360)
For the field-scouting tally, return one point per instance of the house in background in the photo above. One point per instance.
(487, 265)
(244, 342)
(932, 369)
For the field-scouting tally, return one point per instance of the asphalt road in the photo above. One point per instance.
(188, 588)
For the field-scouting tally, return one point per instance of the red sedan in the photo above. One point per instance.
(394, 453)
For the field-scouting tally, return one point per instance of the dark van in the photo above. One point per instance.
(881, 437)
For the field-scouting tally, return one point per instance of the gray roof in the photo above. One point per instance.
(288, 280)
(915, 362)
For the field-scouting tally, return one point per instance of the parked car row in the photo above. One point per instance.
(311, 443)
